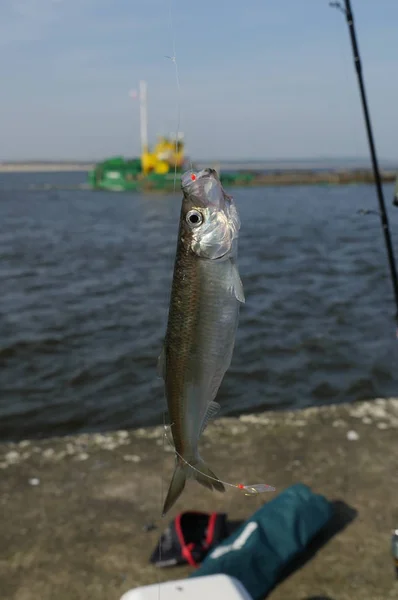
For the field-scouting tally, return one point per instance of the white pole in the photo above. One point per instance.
(143, 116)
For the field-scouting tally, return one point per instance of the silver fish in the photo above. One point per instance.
(203, 317)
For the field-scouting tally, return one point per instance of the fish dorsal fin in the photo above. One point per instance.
(237, 284)
(161, 366)
(211, 412)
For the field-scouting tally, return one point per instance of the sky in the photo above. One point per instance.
(263, 79)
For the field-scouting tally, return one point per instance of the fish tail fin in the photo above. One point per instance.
(205, 476)
(196, 470)
(176, 487)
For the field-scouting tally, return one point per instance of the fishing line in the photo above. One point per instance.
(161, 500)
(250, 490)
(173, 58)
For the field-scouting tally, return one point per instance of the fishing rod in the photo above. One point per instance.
(347, 11)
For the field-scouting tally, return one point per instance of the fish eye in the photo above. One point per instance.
(194, 218)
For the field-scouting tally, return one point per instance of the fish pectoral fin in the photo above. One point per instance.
(161, 365)
(212, 411)
(237, 285)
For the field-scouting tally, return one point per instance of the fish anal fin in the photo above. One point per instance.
(212, 411)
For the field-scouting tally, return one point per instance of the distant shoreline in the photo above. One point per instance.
(261, 176)
(44, 167)
(267, 166)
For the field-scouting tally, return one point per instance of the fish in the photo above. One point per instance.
(206, 294)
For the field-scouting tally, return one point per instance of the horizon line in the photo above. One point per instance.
(202, 160)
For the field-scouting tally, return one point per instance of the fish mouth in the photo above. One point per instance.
(190, 177)
(204, 188)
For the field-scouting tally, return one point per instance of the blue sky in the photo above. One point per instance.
(259, 78)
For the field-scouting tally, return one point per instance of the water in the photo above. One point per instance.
(85, 281)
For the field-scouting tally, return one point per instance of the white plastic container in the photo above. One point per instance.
(219, 587)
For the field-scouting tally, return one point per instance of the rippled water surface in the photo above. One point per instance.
(84, 290)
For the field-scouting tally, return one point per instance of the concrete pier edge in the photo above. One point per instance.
(74, 511)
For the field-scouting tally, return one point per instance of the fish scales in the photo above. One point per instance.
(203, 316)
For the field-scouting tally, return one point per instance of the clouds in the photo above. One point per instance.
(27, 20)
(262, 79)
